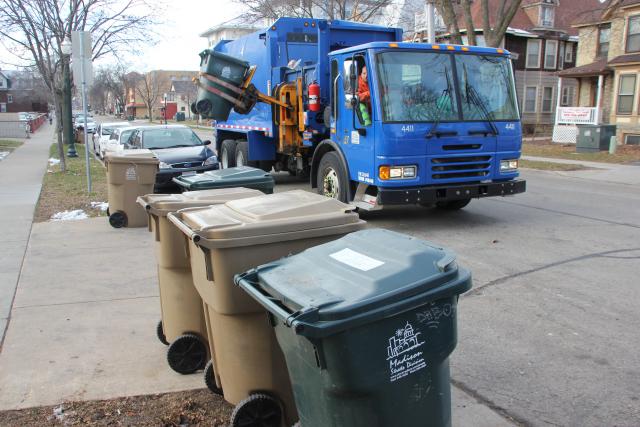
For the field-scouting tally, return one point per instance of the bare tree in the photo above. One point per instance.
(35, 30)
(353, 10)
(109, 86)
(494, 21)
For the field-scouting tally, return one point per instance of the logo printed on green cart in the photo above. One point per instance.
(403, 354)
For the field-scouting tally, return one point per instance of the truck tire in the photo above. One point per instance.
(228, 154)
(332, 177)
(453, 205)
(242, 155)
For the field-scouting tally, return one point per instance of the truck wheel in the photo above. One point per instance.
(242, 155)
(266, 165)
(332, 177)
(453, 205)
(228, 153)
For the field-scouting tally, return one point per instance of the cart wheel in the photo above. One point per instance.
(210, 378)
(160, 333)
(257, 410)
(187, 354)
(118, 219)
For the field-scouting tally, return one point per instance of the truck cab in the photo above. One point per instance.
(439, 125)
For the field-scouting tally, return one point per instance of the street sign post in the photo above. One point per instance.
(83, 73)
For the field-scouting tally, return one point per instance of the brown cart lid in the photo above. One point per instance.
(132, 156)
(268, 218)
(162, 204)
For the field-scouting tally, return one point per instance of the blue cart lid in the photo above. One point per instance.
(241, 176)
(362, 277)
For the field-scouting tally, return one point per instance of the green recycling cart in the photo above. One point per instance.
(366, 323)
(229, 70)
(241, 176)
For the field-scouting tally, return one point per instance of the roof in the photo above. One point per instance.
(601, 11)
(594, 69)
(238, 22)
(625, 59)
(181, 86)
(565, 15)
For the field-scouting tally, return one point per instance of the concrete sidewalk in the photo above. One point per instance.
(604, 172)
(20, 182)
(84, 317)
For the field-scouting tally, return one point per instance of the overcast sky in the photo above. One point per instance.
(179, 45)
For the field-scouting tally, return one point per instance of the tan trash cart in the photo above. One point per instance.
(229, 239)
(183, 324)
(130, 173)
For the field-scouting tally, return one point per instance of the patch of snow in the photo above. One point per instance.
(53, 161)
(3, 154)
(58, 413)
(103, 206)
(70, 215)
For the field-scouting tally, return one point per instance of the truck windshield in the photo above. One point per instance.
(421, 87)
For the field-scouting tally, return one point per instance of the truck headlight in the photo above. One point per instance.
(164, 165)
(397, 172)
(508, 165)
(210, 161)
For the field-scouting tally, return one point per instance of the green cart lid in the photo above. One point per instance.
(242, 176)
(365, 276)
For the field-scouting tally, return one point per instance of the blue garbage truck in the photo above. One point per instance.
(368, 118)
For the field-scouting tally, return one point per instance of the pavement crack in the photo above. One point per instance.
(606, 254)
(85, 302)
(504, 413)
(591, 218)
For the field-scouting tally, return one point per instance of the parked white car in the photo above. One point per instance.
(119, 137)
(103, 133)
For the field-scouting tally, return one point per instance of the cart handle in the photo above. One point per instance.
(262, 298)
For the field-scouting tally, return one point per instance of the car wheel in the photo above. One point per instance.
(228, 154)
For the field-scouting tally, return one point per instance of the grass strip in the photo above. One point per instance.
(624, 154)
(550, 166)
(68, 191)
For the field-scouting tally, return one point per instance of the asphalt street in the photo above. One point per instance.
(549, 333)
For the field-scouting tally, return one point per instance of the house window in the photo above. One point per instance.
(547, 16)
(533, 53)
(551, 54)
(632, 139)
(568, 92)
(530, 99)
(568, 52)
(9, 98)
(547, 99)
(604, 33)
(3, 107)
(626, 92)
(1, 83)
(182, 108)
(633, 34)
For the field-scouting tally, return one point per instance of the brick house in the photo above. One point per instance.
(608, 68)
(159, 84)
(4, 92)
(183, 93)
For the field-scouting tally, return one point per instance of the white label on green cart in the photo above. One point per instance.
(403, 353)
(356, 259)
(131, 174)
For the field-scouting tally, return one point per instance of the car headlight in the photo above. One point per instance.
(164, 165)
(508, 165)
(210, 161)
(397, 172)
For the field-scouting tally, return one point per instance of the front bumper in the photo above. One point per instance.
(415, 195)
